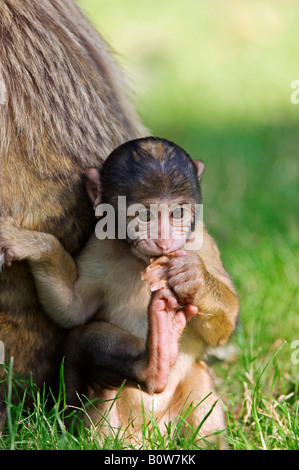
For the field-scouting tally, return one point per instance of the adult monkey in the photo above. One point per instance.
(63, 109)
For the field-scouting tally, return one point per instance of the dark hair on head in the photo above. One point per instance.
(150, 166)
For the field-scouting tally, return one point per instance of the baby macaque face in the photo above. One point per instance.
(159, 228)
(159, 184)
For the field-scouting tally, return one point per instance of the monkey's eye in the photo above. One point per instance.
(177, 213)
(145, 216)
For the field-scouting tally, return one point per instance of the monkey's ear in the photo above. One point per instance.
(200, 168)
(93, 186)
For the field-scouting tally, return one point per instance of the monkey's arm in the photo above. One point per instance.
(200, 278)
(54, 271)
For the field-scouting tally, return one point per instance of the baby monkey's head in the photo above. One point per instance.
(153, 186)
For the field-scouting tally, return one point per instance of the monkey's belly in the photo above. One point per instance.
(127, 313)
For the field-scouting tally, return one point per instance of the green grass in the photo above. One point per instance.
(43, 426)
(215, 77)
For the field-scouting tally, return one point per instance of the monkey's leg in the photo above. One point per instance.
(106, 355)
(166, 325)
(102, 354)
(53, 269)
(198, 387)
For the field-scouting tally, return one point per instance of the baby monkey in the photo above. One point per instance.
(144, 305)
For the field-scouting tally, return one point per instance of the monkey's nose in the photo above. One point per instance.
(164, 244)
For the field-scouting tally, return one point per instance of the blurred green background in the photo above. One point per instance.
(215, 77)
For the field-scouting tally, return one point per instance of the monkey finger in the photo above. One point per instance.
(182, 270)
(162, 293)
(185, 292)
(177, 279)
(190, 285)
(157, 262)
(190, 310)
(180, 319)
(157, 285)
(164, 299)
(159, 305)
(180, 253)
(170, 298)
(176, 262)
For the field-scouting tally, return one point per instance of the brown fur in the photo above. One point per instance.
(65, 108)
(147, 168)
(134, 334)
(217, 301)
(112, 348)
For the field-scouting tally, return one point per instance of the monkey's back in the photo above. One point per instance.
(63, 108)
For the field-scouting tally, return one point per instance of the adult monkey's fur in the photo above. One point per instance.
(64, 109)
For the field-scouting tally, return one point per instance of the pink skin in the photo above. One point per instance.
(159, 247)
(166, 324)
(171, 235)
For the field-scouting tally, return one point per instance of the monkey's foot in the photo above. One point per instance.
(166, 325)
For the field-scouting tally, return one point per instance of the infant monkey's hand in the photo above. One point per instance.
(186, 276)
(156, 273)
(157, 276)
